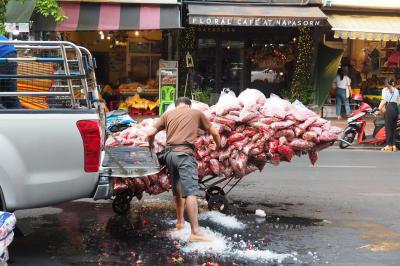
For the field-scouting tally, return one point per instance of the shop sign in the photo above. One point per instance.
(254, 21)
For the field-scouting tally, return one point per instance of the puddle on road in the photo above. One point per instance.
(84, 233)
(382, 238)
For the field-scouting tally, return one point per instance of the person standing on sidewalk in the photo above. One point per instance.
(343, 83)
(181, 125)
(390, 99)
(8, 68)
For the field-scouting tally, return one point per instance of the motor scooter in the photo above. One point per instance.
(356, 128)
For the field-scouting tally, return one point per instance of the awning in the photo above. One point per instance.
(258, 16)
(108, 17)
(363, 27)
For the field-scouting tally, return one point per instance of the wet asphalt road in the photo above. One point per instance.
(344, 211)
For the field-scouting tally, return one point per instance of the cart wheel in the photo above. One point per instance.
(213, 191)
(121, 203)
(218, 203)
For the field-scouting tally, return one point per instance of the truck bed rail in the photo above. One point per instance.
(47, 74)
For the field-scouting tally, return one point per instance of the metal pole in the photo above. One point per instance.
(67, 72)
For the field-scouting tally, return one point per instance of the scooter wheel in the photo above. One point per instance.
(349, 137)
(397, 137)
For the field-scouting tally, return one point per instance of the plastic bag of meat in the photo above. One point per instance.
(283, 141)
(228, 171)
(224, 121)
(235, 138)
(328, 136)
(275, 106)
(298, 131)
(288, 133)
(164, 182)
(301, 144)
(215, 167)
(235, 113)
(300, 112)
(223, 155)
(317, 130)
(310, 135)
(319, 122)
(275, 159)
(268, 120)
(282, 125)
(249, 132)
(313, 155)
(227, 102)
(200, 168)
(239, 145)
(307, 123)
(286, 152)
(335, 130)
(238, 164)
(247, 115)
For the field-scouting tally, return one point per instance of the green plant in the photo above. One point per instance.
(201, 95)
(50, 8)
(44, 7)
(301, 84)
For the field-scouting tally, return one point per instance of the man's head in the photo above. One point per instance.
(182, 101)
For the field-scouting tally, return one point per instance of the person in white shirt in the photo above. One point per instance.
(390, 99)
(343, 83)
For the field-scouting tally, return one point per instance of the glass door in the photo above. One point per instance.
(232, 65)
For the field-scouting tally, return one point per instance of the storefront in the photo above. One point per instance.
(371, 49)
(128, 40)
(240, 45)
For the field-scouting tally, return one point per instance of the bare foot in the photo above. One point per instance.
(180, 226)
(200, 238)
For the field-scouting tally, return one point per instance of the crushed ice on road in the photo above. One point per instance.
(219, 245)
(230, 222)
(222, 245)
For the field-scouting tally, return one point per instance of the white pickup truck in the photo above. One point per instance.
(50, 150)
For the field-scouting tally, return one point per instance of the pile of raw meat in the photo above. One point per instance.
(254, 130)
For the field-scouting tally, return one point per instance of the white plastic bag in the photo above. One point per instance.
(227, 102)
(275, 106)
(200, 106)
(250, 98)
(300, 112)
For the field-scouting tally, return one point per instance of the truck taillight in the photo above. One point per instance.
(90, 132)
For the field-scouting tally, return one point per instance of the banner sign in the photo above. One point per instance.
(254, 21)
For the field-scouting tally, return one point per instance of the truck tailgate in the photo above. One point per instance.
(42, 158)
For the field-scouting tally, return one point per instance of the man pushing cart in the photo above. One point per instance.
(181, 125)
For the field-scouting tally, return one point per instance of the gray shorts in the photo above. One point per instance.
(183, 170)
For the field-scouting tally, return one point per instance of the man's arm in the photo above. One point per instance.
(157, 126)
(150, 135)
(217, 139)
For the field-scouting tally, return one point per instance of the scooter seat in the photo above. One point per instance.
(379, 122)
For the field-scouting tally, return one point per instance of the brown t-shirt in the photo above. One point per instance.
(182, 125)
